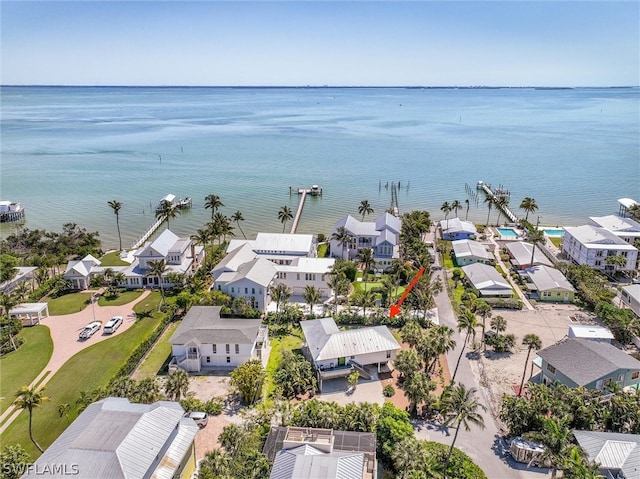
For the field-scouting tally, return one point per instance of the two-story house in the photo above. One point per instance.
(592, 245)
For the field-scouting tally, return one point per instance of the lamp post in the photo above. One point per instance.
(93, 308)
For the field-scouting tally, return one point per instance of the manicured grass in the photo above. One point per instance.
(69, 303)
(322, 250)
(124, 297)
(113, 259)
(557, 242)
(89, 369)
(291, 342)
(448, 262)
(148, 305)
(20, 367)
(158, 355)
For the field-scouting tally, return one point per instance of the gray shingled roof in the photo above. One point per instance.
(584, 361)
(204, 324)
(113, 438)
(614, 451)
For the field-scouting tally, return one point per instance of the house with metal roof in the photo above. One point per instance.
(630, 296)
(520, 255)
(117, 439)
(591, 364)
(457, 229)
(205, 341)
(280, 248)
(626, 229)
(549, 284)
(79, 272)
(592, 245)
(486, 281)
(468, 251)
(22, 275)
(617, 454)
(334, 353)
(320, 453)
(588, 331)
(381, 235)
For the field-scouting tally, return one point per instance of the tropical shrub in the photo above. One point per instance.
(388, 391)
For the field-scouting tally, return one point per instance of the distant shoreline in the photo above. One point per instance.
(315, 87)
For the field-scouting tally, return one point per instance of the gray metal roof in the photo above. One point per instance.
(584, 360)
(386, 221)
(456, 225)
(325, 341)
(548, 279)
(614, 451)
(204, 325)
(594, 236)
(465, 248)
(310, 463)
(355, 227)
(486, 279)
(234, 259)
(521, 254)
(178, 449)
(113, 438)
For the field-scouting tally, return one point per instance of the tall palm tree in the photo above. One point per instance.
(529, 205)
(311, 296)
(462, 406)
(455, 206)
(536, 236)
(501, 203)
(366, 259)
(29, 399)
(483, 310)
(167, 210)
(339, 283)
(280, 293)
(213, 203)
(468, 203)
(284, 215)
(365, 208)
(446, 209)
(237, 218)
(365, 299)
(343, 237)
(467, 323)
(417, 388)
(177, 384)
(115, 206)
(499, 324)
(201, 237)
(222, 226)
(158, 269)
(531, 341)
(489, 201)
(442, 342)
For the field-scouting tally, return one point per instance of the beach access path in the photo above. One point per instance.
(64, 332)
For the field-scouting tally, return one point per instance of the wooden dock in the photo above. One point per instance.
(183, 203)
(315, 190)
(149, 232)
(495, 193)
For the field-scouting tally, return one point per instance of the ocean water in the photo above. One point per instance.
(66, 151)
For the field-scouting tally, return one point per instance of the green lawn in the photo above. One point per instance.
(90, 368)
(112, 259)
(148, 305)
(124, 297)
(556, 241)
(322, 250)
(20, 367)
(69, 303)
(291, 342)
(158, 355)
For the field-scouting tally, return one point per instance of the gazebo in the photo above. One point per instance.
(32, 312)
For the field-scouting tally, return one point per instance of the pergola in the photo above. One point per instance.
(30, 311)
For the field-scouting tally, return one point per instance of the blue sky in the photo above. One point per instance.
(516, 43)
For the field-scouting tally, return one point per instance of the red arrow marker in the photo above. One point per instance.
(395, 308)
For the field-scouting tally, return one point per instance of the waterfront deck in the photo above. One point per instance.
(183, 203)
(11, 211)
(496, 193)
(315, 190)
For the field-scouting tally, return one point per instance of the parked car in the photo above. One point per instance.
(90, 329)
(201, 418)
(112, 325)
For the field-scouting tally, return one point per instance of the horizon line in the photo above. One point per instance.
(478, 87)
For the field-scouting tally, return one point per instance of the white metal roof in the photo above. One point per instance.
(589, 332)
(311, 463)
(486, 279)
(283, 243)
(28, 308)
(521, 254)
(627, 202)
(617, 224)
(469, 248)
(615, 451)
(356, 227)
(594, 237)
(456, 225)
(548, 279)
(308, 265)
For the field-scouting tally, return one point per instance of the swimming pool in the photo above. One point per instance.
(553, 232)
(507, 232)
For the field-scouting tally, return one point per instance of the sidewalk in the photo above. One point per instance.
(523, 298)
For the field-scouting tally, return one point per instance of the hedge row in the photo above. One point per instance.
(504, 303)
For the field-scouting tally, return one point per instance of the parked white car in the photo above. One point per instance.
(201, 418)
(112, 325)
(90, 329)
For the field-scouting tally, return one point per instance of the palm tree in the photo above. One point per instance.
(177, 384)
(280, 293)
(366, 259)
(446, 209)
(442, 342)
(501, 203)
(222, 226)
(201, 237)
(529, 205)
(365, 299)
(417, 388)
(498, 324)
(339, 283)
(531, 341)
(158, 269)
(489, 201)
(467, 323)
(556, 436)
(284, 215)
(462, 406)
(536, 236)
(237, 218)
(311, 296)
(455, 206)
(468, 203)
(115, 206)
(365, 208)
(28, 398)
(575, 466)
(483, 310)
(343, 237)
(167, 210)
(212, 202)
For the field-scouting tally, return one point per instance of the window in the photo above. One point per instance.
(237, 349)
(388, 354)
(219, 288)
(551, 369)
(227, 349)
(620, 378)
(253, 290)
(215, 348)
(208, 359)
(298, 276)
(607, 381)
(232, 289)
(246, 290)
(228, 359)
(635, 374)
(309, 276)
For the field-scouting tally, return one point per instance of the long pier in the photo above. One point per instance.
(296, 219)
(149, 232)
(494, 195)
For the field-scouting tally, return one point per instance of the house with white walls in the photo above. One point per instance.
(626, 229)
(591, 245)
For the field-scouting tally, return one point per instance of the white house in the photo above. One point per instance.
(630, 296)
(330, 349)
(457, 229)
(250, 280)
(486, 281)
(624, 228)
(382, 236)
(79, 272)
(591, 245)
(279, 248)
(469, 251)
(520, 255)
(205, 341)
(304, 272)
